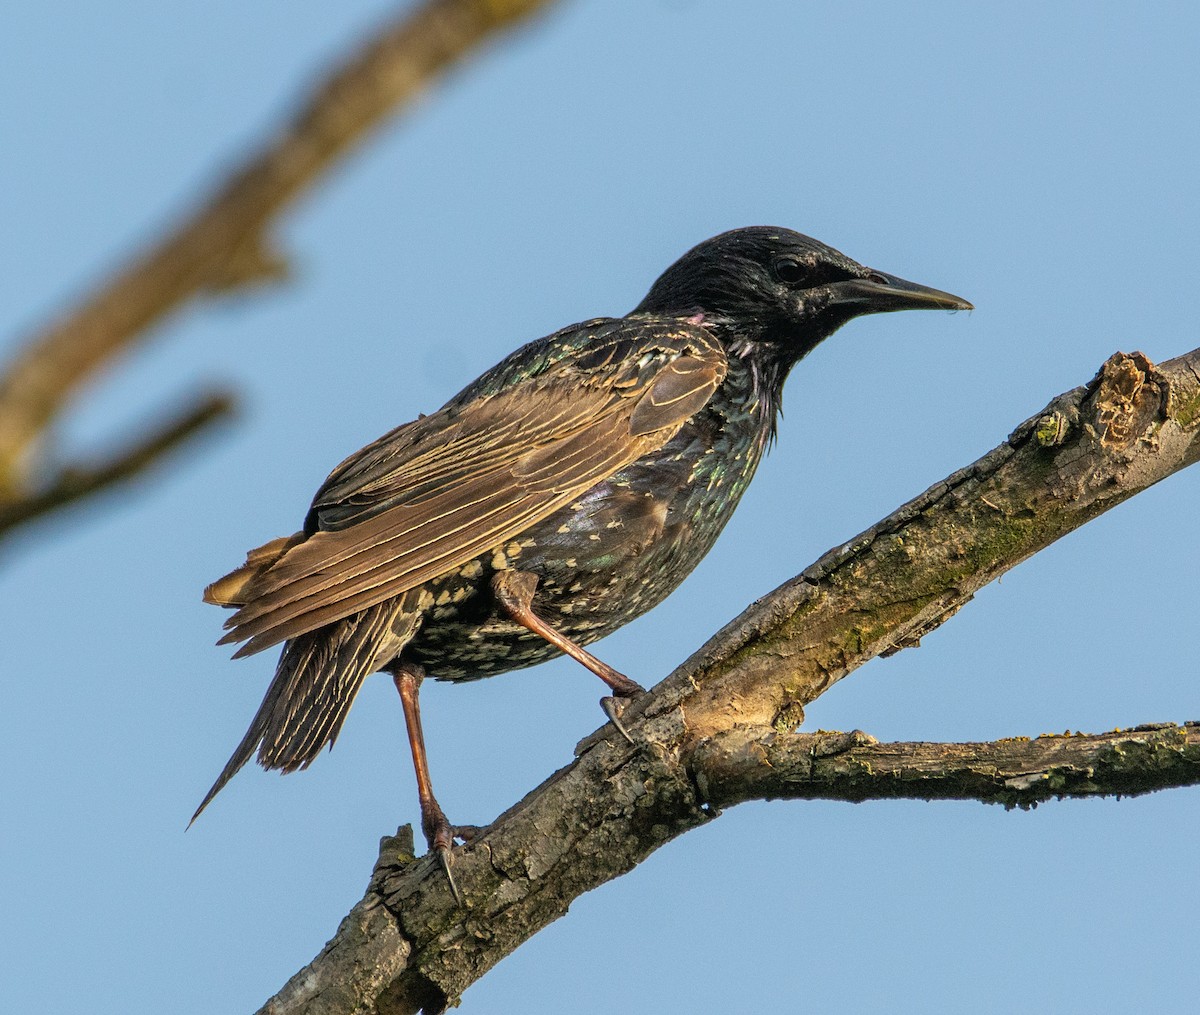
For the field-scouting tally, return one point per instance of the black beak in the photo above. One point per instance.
(880, 293)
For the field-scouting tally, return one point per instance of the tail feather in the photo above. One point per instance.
(315, 683)
(232, 590)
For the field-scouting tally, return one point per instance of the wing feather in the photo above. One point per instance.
(446, 488)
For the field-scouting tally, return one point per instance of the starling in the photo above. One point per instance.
(565, 492)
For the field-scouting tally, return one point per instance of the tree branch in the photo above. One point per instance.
(714, 731)
(746, 764)
(225, 243)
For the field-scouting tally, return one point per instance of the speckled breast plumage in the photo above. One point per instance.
(608, 557)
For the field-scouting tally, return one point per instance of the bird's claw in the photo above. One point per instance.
(613, 707)
(467, 833)
(446, 855)
(440, 836)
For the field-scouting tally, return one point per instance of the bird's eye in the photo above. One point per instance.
(788, 270)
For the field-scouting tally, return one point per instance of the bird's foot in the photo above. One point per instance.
(440, 836)
(467, 834)
(615, 703)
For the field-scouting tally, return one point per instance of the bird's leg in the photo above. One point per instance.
(514, 592)
(439, 833)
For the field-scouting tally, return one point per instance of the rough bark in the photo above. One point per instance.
(719, 729)
(751, 764)
(224, 244)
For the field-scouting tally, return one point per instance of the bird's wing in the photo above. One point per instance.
(440, 491)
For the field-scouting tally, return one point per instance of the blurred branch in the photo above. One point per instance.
(75, 482)
(718, 730)
(224, 244)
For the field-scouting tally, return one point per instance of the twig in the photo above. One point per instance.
(73, 483)
(743, 765)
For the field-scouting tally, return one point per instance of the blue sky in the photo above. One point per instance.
(1040, 160)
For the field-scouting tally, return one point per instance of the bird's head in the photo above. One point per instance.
(779, 292)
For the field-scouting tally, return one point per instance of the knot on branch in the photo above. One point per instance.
(1129, 398)
(1052, 428)
(396, 854)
